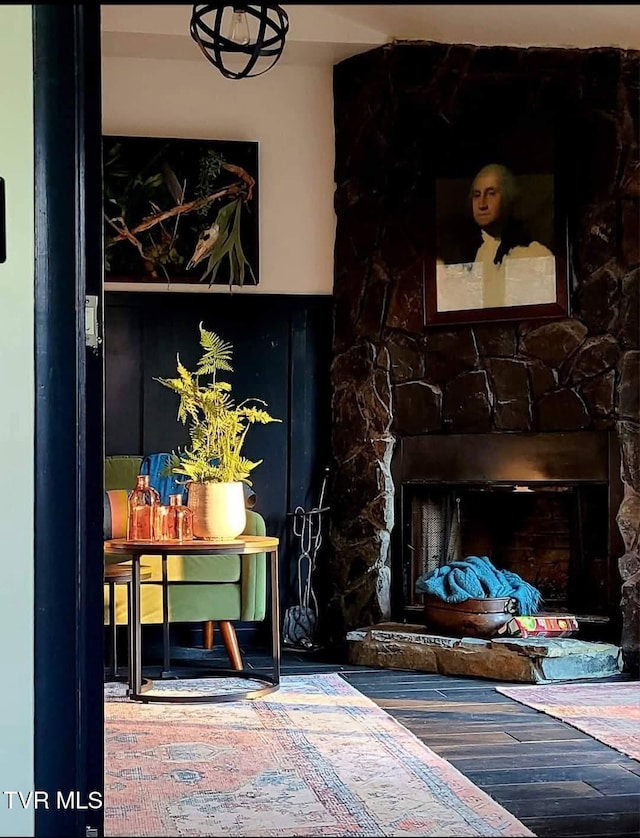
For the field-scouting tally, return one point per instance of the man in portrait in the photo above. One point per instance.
(510, 267)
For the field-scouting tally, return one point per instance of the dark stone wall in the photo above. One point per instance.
(401, 112)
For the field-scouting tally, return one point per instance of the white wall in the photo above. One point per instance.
(288, 111)
(17, 420)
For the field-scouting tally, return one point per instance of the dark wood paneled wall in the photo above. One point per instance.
(282, 352)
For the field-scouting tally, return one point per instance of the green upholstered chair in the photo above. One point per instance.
(241, 592)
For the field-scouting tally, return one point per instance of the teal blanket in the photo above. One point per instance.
(476, 578)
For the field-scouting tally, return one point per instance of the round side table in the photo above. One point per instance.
(247, 547)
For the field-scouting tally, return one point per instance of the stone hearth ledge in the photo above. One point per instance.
(541, 660)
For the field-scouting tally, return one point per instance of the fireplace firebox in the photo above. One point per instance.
(541, 505)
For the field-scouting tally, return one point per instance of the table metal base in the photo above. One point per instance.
(147, 684)
(271, 684)
(125, 678)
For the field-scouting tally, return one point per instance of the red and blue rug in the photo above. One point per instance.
(315, 758)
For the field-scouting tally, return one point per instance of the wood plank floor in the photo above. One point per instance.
(554, 778)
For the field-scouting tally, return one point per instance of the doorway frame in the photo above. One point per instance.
(68, 537)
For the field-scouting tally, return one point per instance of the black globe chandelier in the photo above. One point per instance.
(228, 31)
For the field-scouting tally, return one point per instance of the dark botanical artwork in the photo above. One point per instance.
(180, 211)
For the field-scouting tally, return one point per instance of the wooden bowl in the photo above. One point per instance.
(472, 618)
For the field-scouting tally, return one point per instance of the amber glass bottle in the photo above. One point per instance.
(162, 523)
(143, 501)
(180, 519)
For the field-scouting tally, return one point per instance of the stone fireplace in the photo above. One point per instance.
(394, 379)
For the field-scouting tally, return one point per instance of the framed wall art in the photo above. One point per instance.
(500, 239)
(180, 211)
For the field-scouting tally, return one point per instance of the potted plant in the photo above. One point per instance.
(212, 465)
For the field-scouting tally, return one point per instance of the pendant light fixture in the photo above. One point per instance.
(231, 33)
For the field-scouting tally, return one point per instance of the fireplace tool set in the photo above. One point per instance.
(300, 621)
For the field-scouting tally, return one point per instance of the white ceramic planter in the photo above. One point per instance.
(218, 510)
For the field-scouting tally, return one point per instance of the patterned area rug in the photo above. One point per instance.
(608, 712)
(314, 758)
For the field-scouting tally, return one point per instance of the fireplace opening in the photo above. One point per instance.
(542, 506)
(554, 537)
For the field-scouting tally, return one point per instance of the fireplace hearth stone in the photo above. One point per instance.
(541, 660)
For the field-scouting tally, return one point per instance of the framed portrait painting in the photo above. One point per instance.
(500, 241)
(180, 211)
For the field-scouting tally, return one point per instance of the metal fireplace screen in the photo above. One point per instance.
(435, 526)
